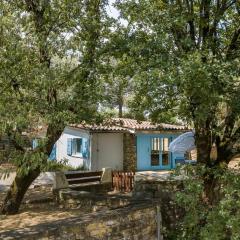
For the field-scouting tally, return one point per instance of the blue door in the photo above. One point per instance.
(160, 157)
(143, 148)
(153, 153)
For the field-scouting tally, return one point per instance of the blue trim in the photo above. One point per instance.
(144, 154)
(52, 155)
(69, 146)
(85, 148)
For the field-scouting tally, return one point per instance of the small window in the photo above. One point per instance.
(160, 146)
(155, 147)
(164, 144)
(77, 146)
(164, 150)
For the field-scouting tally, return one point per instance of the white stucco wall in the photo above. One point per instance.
(61, 152)
(107, 151)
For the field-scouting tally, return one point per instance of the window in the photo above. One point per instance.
(155, 147)
(74, 147)
(77, 146)
(160, 146)
(164, 150)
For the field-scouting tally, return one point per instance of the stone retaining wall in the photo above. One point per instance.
(136, 222)
(162, 192)
(88, 202)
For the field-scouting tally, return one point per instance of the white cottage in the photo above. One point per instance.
(119, 143)
(91, 148)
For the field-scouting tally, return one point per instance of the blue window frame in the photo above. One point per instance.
(74, 147)
(153, 152)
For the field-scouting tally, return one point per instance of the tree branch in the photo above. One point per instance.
(236, 136)
(229, 125)
(191, 21)
(204, 20)
(234, 45)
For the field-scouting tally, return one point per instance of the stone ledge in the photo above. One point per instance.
(87, 202)
(124, 223)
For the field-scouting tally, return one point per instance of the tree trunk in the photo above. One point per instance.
(211, 187)
(120, 101)
(120, 110)
(210, 180)
(17, 191)
(22, 181)
(204, 146)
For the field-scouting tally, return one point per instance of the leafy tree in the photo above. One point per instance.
(116, 69)
(129, 55)
(48, 77)
(191, 68)
(220, 221)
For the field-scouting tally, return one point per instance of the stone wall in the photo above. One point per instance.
(129, 152)
(88, 202)
(135, 222)
(162, 192)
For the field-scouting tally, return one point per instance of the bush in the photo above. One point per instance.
(203, 221)
(62, 166)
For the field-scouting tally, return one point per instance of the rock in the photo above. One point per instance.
(60, 181)
(106, 175)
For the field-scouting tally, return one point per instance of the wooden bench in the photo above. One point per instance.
(93, 182)
(77, 177)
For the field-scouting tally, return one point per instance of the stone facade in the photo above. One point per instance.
(135, 222)
(129, 152)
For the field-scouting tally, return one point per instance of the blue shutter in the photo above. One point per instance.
(53, 153)
(69, 146)
(85, 148)
(34, 143)
(81, 145)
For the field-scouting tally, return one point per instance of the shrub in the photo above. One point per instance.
(203, 221)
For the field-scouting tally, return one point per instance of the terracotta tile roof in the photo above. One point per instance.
(146, 125)
(105, 126)
(127, 124)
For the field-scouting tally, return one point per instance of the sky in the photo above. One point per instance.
(112, 11)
